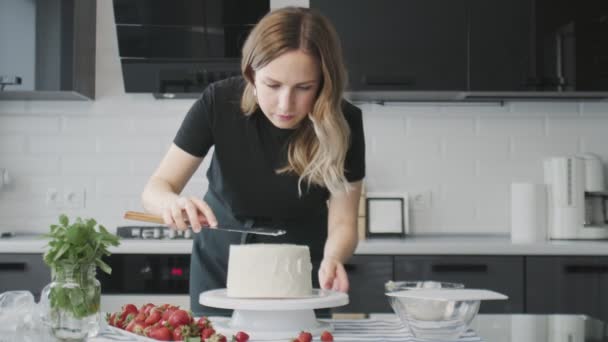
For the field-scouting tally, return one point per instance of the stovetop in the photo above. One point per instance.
(152, 232)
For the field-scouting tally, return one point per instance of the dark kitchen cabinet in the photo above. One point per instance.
(401, 45)
(538, 46)
(498, 273)
(367, 275)
(23, 272)
(50, 52)
(500, 45)
(574, 285)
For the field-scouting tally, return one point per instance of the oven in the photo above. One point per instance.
(145, 278)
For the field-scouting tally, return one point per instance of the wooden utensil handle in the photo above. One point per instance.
(144, 217)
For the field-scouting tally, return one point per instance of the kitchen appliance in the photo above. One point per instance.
(577, 197)
(145, 278)
(145, 217)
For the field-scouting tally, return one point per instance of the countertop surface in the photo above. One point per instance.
(418, 245)
(487, 328)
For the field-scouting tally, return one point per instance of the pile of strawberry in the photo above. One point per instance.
(305, 336)
(168, 323)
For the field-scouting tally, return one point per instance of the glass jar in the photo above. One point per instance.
(73, 299)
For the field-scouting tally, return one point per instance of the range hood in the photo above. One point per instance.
(174, 49)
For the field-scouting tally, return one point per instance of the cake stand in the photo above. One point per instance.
(272, 318)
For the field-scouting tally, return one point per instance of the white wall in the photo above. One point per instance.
(465, 154)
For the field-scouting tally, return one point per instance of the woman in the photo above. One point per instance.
(288, 152)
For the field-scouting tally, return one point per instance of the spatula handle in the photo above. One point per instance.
(144, 217)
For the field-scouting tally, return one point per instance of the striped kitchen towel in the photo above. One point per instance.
(368, 330)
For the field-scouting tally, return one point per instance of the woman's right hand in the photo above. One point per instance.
(184, 211)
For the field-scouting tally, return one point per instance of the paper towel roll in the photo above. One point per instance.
(528, 212)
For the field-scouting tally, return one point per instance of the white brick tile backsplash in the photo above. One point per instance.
(433, 171)
(61, 144)
(120, 186)
(130, 144)
(578, 126)
(594, 108)
(28, 124)
(534, 149)
(550, 108)
(12, 144)
(11, 107)
(440, 126)
(96, 167)
(98, 125)
(492, 126)
(474, 148)
(419, 148)
(165, 127)
(495, 171)
(30, 166)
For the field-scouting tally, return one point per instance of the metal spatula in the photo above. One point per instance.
(145, 217)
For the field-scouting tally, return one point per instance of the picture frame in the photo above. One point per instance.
(387, 216)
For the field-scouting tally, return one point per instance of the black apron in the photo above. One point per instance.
(210, 249)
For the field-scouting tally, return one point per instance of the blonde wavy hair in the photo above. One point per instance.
(317, 149)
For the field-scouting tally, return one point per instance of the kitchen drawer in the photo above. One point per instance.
(501, 274)
(367, 275)
(23, 272)
(568, 285)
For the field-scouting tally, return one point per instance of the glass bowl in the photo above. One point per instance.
(429, 318)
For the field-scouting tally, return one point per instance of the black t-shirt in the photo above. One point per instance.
(249, 150)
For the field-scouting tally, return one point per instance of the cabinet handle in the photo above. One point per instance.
(12, 266)
(586, 268)
(471, 268)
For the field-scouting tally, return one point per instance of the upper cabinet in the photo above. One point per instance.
(467, 49)
(401, 45)
(174, 49)
(48, 49)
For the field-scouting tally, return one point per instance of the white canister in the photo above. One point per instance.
(528, 212)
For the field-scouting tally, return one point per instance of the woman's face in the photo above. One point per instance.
(287, 88)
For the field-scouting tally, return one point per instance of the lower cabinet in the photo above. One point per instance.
(23, 272)
(504, 274)
(575, 285)
(366, 276)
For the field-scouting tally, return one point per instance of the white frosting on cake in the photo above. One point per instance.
(269, 271)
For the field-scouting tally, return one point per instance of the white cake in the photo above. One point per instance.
(269, 271)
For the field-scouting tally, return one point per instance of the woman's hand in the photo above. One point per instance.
(332, 275)
(189, 210)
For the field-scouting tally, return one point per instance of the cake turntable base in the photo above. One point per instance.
(272, 318)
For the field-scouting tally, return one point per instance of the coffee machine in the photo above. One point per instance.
(577, 197)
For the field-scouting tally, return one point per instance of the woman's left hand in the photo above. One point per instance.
(332, 275)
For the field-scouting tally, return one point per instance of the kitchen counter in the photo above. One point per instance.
(419, 245)
(489, 328)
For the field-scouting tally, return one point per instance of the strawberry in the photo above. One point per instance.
(294, 340)
(131, 326)
(326, 336)
(206, 333)
(155, 316)
(305, 336)
(111, 318)
(141, 317)
(240, 337)
(129, 309)
(181, 332)
(179, 317)
(146, 308)
(203, 323)
(168, 312)
(216, 338)
(160, 333)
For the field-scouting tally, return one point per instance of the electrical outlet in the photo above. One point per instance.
(421, 200)
(74, 198)
(53, 200)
